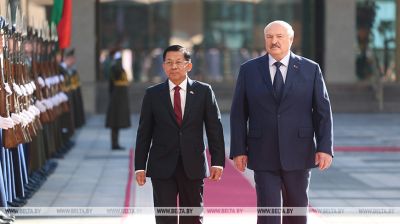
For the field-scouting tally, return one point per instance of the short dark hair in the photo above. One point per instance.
(186, 52)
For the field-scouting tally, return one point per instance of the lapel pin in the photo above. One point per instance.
(295, 66)
(191, 92)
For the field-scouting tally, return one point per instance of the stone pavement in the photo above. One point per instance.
(91, 175)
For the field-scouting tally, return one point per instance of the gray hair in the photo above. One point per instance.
(282, 23)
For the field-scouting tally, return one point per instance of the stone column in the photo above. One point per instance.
(397, 41)
(184, 31)
(84, 42)
(340, 44)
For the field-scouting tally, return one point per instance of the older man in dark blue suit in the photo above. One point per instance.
(281, 123)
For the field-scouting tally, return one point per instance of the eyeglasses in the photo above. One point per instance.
(179, 64)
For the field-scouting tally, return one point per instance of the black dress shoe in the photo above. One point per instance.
(15, 203)
(58, 155)
(118, 147)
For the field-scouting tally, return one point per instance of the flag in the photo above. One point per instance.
(64, 26)
(56, 11)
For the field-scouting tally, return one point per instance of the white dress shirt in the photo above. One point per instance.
(283, 67)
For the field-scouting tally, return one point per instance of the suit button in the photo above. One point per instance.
(180, 133)
(279, 116)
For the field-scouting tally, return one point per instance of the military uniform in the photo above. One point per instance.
(79, 113)
(118, 114)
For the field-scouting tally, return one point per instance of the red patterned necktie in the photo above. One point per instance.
(177, 105)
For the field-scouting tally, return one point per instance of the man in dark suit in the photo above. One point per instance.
(281, 123)
(170, 138)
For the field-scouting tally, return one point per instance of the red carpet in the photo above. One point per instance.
(233, 190)
(129, 193)
(367, 149)
(131, 175)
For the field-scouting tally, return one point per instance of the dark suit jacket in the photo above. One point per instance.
(283, 135)
(160, 140)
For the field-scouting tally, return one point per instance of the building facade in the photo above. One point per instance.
(353, 40)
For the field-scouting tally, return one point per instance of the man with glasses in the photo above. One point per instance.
(170, 146)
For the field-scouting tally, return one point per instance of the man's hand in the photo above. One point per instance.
(215, 173)
(323, 160)
(240, 162)
(141, 178)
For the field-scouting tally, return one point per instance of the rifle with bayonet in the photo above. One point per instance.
(54, 71)
(8, 135)
(45, 73)
(10, 65)
(45, 113)
(12, 104)
(27, 78)
(26, 90)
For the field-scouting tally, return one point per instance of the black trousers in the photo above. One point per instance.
(114, 137)
(178, 189)
(282, 188)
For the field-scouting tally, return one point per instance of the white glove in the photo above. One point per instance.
(64, 97)
(17, 89)
(33, 85)
(34, 110)
(41, 82)
(29, 115)
(7, 88)
(45, 103)
(51, 101)
(37, 111)
(57, 99)
(23, 90)
(48, 103)
(24, 119)
(48, 82)
(6, 122)
(16, 118)
(40, 105)
(53, 80)
(28, 88)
